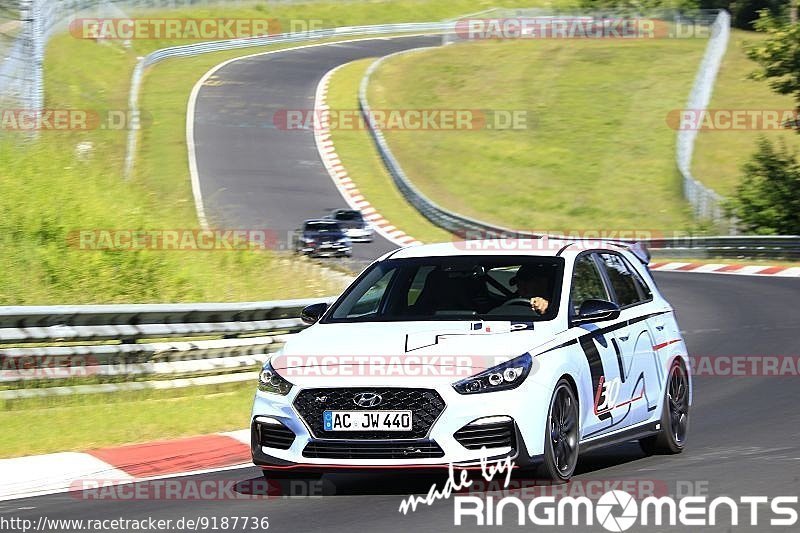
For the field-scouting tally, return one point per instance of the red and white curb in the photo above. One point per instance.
(38, 475)
(347, 188)
(720, 268)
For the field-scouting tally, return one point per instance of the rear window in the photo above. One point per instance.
(348, 215)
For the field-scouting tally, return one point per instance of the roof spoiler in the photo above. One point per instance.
(641, 251)
(637, 248)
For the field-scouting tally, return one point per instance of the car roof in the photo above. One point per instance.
(320, 221)
(547, 247)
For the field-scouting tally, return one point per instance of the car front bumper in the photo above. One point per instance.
(307, 448)
(359, 235)
(327, 250)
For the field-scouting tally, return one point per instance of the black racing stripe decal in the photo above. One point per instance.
(619, 359)
(601, 331)
(563, 345)
(558, 253)
(595, 366)
(594, 360)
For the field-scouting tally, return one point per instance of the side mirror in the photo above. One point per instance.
(312, 313)
(594, 310)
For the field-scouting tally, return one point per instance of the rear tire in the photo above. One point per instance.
(671, 439)
(561, 435)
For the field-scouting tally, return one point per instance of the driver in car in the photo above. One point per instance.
(532, 284)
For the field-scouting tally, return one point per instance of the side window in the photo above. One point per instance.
(644, 289)
(369, 301)
(628, 287)
(586, 283)
(417, 284)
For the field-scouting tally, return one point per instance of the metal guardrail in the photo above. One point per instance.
(53, 345)
(741, 246)
(705, 202)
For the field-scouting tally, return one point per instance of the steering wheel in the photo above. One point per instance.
(519, 301)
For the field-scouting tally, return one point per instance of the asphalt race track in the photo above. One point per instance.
(256, 175)
(744, 437)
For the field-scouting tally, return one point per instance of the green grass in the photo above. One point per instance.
(364, 166)
(82, 422)
(719, 155)
(597, 152)
(45, 194)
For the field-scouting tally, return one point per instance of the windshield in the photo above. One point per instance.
(348, 215)
(453, 288)
(323, 227)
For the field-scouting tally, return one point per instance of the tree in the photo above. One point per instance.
(778, 55)
(767, 200)
(743, 12)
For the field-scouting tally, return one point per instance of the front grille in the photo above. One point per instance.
(275, 436)
(495, 435)
(372, 450)
(426, 405)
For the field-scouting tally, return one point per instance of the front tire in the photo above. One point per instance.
(561, 435)
(671, 439)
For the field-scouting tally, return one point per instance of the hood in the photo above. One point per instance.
(402, 353)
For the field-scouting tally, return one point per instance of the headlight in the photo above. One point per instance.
(505, 376)
(271, 381)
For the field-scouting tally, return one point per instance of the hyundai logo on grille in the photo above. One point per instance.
(367, 399)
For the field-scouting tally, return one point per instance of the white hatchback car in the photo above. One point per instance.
(451, 353)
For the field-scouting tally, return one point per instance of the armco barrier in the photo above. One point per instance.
(705, 202)
(42, 344)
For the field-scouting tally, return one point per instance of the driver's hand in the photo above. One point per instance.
(539, 305)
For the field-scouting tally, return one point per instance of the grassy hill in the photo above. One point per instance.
(596, 153)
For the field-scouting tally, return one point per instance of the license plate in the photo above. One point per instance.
(367, 420)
